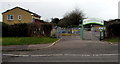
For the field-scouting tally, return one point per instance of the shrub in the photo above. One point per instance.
(5, 30)
(40, 30)
(26, 30)
(17, 30)
(113, 30)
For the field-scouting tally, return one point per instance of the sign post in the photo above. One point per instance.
(82, 30)
(91, 21)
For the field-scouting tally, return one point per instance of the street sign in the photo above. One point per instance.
(93, 21)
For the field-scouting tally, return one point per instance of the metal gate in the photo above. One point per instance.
(91, 34)
(94, 33)
(69, 33)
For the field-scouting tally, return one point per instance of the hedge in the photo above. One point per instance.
(26, 30)
(113, 30)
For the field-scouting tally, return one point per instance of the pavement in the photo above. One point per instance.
(28, 47)
(68, 49)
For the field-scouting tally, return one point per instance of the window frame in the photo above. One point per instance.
(9, 17)
(19, 17)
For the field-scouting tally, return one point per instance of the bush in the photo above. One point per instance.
(17, 30)
(26, 30)
(5, 30)
(40, 30)
(113, 30)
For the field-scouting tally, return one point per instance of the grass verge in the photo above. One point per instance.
(113, 40)
(26, 40)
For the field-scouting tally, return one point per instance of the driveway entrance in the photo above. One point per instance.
(71, 33)
(75, 34)
(91, 35)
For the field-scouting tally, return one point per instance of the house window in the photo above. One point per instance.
(10, 17)
(19, 17)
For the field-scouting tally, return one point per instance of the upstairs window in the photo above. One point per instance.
(10, 17)
(19, 17)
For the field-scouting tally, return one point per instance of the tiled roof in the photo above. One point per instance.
(34, 14)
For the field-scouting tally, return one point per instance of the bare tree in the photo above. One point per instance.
(72, 18)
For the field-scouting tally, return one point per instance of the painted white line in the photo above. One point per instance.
(14, 55)
(22, 55)
(57, 54)
(108, 54)
(77, 54)
(39, 55)
(84, 55)
(7, 54)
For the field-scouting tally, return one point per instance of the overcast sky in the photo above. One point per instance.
(104, 9)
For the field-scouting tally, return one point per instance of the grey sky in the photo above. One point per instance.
(104, 9)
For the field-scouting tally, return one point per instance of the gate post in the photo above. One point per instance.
(58, 32)
(102, 34)
(82, 30)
